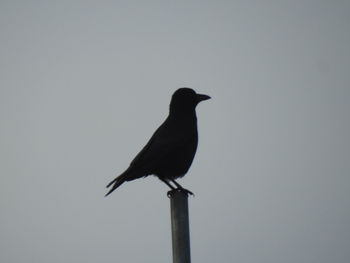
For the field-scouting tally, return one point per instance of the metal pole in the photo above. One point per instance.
(180, 227)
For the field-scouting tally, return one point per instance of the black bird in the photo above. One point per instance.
(170, 151)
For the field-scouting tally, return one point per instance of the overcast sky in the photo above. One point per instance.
(84, 84)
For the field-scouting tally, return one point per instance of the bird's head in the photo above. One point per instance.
(186, 99)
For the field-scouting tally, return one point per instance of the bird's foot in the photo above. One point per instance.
(180, 189)
(188, 192)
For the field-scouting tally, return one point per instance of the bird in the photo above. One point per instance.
(170, 151)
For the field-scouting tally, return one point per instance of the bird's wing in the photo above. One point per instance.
(152, 148)
(163, 142)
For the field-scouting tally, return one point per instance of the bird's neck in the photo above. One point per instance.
(184, 114)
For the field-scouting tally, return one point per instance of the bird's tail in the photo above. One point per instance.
(117, 182)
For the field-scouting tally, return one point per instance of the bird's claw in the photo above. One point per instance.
(187, 192)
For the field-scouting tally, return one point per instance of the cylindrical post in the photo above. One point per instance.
(180, 227)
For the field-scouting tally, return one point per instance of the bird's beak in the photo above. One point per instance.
(201, 97)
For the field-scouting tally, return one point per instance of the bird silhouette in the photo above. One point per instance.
(170, 151)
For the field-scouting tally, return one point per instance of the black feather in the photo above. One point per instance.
(170, 151)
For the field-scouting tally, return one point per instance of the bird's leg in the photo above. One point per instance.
(181, 188)
(168, 184)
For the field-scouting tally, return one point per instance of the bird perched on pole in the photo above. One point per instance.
(170, 151)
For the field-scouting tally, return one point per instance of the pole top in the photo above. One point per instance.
(179, 192)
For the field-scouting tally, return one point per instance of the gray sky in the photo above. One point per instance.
(83, 85)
